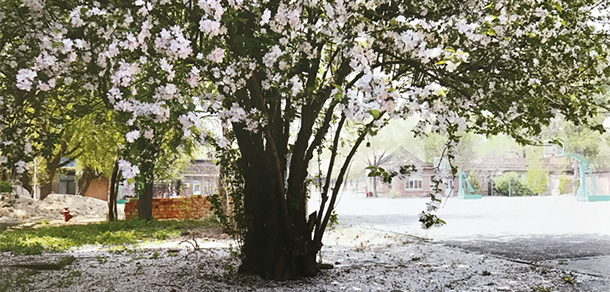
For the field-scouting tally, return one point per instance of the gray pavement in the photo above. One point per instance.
(584, 253)
(556, 232)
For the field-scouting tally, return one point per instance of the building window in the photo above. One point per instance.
(196, 187)
(413, 184)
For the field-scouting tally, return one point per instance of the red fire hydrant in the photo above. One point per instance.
(66, 213)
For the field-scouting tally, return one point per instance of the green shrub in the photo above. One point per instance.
(5, 186)
(518, 187)
(565, 185)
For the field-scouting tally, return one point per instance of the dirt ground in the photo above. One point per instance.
(376, 255)
(363, 259)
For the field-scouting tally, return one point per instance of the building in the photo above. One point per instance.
(198, 178)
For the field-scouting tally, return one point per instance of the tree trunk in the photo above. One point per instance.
(222, 194)
(374, 187)
(145, 198)
(276, 245)
(112, 192)
(115, 195)
(52, 167)
(46, 189)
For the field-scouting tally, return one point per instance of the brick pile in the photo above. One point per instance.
(172, 208)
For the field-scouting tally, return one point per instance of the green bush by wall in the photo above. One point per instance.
(518, 187)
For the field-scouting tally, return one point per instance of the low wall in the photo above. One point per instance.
(172, 208)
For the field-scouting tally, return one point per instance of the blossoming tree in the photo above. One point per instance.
(287, 76)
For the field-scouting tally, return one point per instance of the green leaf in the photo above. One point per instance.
(375, 113)
(558, 7)
(57, 44)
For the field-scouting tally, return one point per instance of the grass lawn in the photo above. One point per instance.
(111, 234)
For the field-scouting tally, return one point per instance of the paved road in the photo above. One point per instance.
(554, 231)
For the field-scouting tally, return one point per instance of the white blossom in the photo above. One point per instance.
(216, 55)
(212, 7)
(27, 148)
(167, 67)
(271, 57)
(149, 134)
(193, 77)
(25, 78)
(125, 74)
(265, 17)
(132, 136)
(210, 27)
(222, 142)
(128, 171)
(21, 166)
(75, 19)
(297, 85)
(168, 91)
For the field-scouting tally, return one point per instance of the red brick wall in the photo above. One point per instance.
(175, 208)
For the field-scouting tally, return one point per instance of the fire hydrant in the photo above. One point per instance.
(66, 213)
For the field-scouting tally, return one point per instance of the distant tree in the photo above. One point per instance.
(510, 184)
(467, 150)
(537, 176)
(565, 184)
(500, 146)
(581, 140)
(434, 144)
(375, 163)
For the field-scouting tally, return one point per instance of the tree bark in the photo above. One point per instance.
(278, 243)
(275, 247)
(85, 181)
(46, 189)
(145, 198)
(112, 192)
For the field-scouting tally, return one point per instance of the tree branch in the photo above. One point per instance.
(331, 164)
(322, 225)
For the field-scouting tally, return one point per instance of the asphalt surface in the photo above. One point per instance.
(547, 231)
